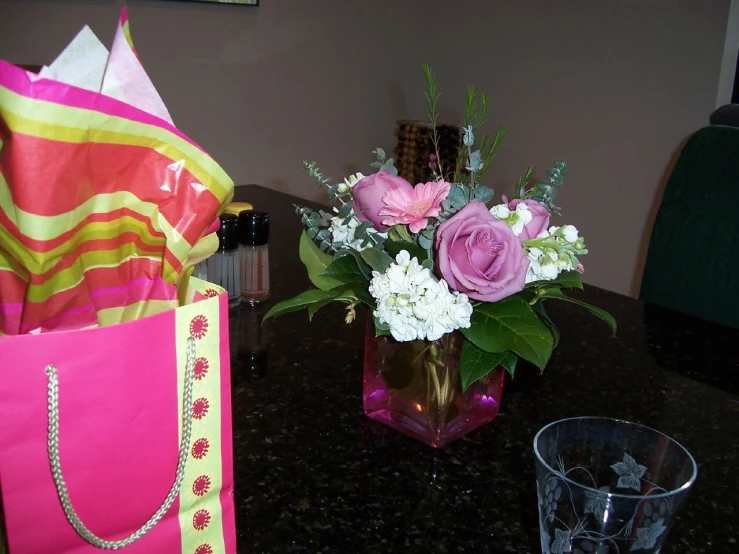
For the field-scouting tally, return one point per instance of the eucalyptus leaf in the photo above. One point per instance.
(428, 264)
(425, 242)
(482, 194)
(456, 197)
(475, 162)
(602, 314)
(389, 166)
(511, 324)
(315, 262)
(377, 259)
(345, 210)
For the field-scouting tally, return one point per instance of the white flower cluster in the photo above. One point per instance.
(516, 219)
(349, 182)
(549, 261)
(343, 232)
(414, 304)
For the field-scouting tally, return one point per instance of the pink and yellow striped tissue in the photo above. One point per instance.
(105, 206)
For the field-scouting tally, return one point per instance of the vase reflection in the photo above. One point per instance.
(249, 343)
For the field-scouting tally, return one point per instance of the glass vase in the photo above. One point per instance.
(415, 388)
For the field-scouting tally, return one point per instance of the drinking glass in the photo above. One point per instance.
(608, 486)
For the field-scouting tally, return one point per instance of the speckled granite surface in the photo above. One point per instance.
(314, 475)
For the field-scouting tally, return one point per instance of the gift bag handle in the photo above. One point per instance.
(56, 469)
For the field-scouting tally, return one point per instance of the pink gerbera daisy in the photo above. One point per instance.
(413, 208)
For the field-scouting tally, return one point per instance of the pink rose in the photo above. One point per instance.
(368, 193)
(539, 218)
(479, 255)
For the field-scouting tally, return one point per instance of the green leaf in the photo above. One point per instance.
(425, 242)
(389, 166)
(377, 259)
(359, 288)
(345, 210)
(316, 262)
(363, 267)
(509, 363)
(457, 198)
(393, 247)
(344, 270)
(381, 329)
(482, 194)
(604, 315)
(303, 300)
(313, 308)
(566, 279)
(511, 324)
(475, 363)
(539, 309)
(399, 233)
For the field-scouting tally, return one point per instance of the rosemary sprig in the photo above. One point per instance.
(432, 97)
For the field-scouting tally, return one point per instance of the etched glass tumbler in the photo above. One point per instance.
(608, 486)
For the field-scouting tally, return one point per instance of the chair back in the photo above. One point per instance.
(693, 259)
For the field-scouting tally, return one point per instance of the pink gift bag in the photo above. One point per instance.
(120, 436)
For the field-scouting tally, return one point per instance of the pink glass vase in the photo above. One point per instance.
(415, 388)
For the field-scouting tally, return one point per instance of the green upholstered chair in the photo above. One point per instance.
(693, 259)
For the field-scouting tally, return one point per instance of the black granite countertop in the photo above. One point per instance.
(313, 474)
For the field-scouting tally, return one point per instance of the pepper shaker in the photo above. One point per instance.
(223, 266)
(253, 237)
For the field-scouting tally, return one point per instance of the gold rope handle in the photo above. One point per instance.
(56, 469)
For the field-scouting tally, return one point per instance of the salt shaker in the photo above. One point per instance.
(253, 237)
(223, 266)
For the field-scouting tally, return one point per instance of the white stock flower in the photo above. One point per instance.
(349, 182)
(500, 211)
(570, 232)
(414, 304)
(343, 232)
(547, 264)
(516, 219)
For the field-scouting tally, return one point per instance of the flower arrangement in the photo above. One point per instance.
(431, 258)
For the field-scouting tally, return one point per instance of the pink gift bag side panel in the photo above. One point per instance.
(227, 490)
(118, 439)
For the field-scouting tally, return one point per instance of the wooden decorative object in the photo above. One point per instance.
(415, 145)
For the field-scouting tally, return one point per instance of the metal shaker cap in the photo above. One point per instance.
(253, 228)
(228, 234)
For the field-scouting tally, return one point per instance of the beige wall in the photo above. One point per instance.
(611, 86)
